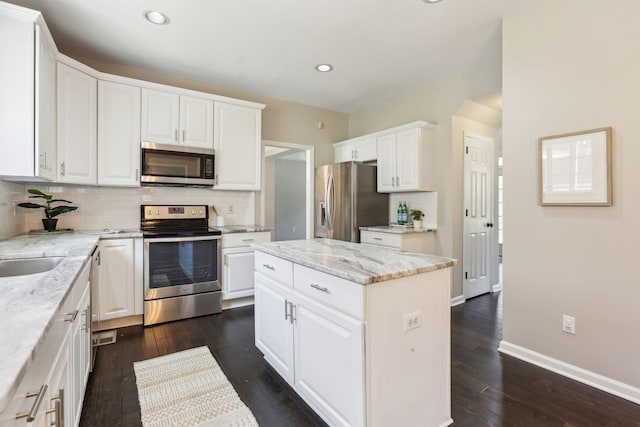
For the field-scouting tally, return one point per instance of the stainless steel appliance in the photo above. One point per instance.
(177, 166)
(347, 199)
(181, 253)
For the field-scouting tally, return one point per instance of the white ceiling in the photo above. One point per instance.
(270, 48)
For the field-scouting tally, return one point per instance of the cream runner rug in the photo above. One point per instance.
(188, 388)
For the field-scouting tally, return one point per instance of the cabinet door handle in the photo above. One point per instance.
(175, 134)
(393, 182)
(58, 409)
(291, 315)
(184, 135)
(45, 159)
(62, 169)
(269, 267)
(137, 175)
(286, 309)
(397, 181)
(85, 327)
(39, 395)
(73, 315)
(320, 288)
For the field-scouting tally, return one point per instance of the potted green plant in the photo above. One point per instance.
(49, 223)
(417, 216)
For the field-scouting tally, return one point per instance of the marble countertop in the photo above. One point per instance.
(358, 263)
(399, 230)
(227, 229)
(28, 303)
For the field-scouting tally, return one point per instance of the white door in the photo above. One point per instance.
(478, 215)
(160, 117)
(116, 282)
(407, 159)
(274, 330)
(329, 362)
(77, 126)
(196, 122)
(238, 145)
(387, 163)
(118, 134)
(237, 273)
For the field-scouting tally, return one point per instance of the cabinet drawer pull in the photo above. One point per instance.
(269, 267)
(320, 288)
(73, 315)
(377, 238)
(247, 240)
(39, 395)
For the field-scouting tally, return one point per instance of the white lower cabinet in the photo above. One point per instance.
(347, 348)
(237, 263)
(115, 294)
(52, 389)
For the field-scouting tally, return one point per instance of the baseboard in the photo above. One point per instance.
(235, 303)
(497, 287)
(592, 379)
(460, 299)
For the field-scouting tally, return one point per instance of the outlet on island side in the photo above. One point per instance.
(568, 324)
(230, 209)
(411, 321)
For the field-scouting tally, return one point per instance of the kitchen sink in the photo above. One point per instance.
(25, 266)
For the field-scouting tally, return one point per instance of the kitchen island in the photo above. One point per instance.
(360, 332)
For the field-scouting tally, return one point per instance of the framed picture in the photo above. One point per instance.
(575, 168)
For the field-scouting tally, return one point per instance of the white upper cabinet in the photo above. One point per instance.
(196, 122)
(169, 118)
(406, 159)
(28, 101)
(359, 150)
(118, 134)
(77, 126)
(160, 117)
(238, 147)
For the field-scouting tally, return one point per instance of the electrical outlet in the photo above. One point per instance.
(568, 324)
(411, 321)
(230, 209)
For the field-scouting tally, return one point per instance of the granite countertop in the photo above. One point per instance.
(358, 263)
(398, 230)
(28, 303)
(227, 229)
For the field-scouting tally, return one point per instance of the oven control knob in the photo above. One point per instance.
(149, 212)
(157, 211)
(200, 212)
(193, 212)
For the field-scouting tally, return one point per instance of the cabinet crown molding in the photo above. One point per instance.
(417, 124)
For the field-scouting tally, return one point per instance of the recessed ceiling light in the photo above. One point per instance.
(156, 17)
(432, 1)
(324, 68)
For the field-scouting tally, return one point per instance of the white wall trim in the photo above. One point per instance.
(497, 287)
(460, 299)
(592, 379)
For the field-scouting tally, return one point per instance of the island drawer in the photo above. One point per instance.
(234, 240)
(335, 292)
(381, 239)
(276, 268)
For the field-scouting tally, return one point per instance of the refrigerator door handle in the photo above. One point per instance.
(329, 201)
(323, 214)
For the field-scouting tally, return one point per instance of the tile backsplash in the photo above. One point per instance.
(427, 202)
(11, 223)
(119, 208)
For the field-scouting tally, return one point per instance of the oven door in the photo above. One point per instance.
(175, 266)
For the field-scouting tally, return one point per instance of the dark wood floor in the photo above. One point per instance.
(488, 389)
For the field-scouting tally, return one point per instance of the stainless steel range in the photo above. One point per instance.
(181, 253)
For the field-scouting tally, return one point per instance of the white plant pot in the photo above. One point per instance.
(417, 223)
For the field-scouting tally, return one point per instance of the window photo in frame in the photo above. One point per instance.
(575, 168)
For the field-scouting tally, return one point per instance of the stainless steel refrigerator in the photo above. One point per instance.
(346, 199)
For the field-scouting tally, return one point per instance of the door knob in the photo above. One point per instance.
(489, 224)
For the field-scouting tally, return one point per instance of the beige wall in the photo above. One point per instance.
(282, 121)
(568, 66)
(437, 102)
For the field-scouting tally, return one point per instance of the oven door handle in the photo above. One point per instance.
(180, 239)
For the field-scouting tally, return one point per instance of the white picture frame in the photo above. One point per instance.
(575, 169)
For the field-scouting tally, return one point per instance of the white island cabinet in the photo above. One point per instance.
(360, 332)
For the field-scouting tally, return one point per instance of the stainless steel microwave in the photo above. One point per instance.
(177, 165)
